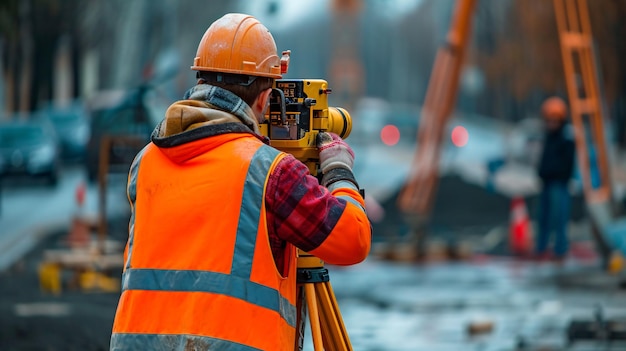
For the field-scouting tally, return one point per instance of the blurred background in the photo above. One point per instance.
(84, 83)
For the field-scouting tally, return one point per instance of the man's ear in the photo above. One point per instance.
(261, 101)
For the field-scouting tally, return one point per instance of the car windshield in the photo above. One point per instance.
(11, 137)
(64, 119)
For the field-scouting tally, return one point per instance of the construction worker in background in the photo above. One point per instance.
(555, 171)
(217, 214)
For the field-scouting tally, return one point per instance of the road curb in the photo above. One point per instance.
(18, 245)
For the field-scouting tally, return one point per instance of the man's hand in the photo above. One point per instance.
(334, 152)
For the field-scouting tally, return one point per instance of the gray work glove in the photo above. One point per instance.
(334, 152)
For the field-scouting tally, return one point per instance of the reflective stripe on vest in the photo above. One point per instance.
(131, 192)
(167, 342)
(251, 203)
(211, 282)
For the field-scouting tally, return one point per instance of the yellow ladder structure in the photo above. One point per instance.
(581, 78)
(583, 90)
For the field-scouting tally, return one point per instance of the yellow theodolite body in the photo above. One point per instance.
(298, 111)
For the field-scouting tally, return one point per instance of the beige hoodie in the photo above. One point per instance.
(186, 115)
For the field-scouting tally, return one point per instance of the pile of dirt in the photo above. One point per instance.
(460, 211)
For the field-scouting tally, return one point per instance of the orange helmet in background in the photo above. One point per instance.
(239, 44)
(554, 108)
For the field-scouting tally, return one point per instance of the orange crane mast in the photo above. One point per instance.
(417, 195)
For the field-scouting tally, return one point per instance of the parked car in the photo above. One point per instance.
(128, 116)
(72, 128)
(121, 114)
(29, 148)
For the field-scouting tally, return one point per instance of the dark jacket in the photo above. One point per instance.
(557, 158)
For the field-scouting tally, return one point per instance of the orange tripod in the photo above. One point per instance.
(315, 296)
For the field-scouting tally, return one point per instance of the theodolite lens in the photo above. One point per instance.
(339, 122)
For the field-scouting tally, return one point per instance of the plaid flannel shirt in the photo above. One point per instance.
(299, 210)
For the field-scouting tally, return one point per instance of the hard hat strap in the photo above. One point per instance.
(226, 78)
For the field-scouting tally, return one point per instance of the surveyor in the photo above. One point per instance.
(218, 214)
(555, 170)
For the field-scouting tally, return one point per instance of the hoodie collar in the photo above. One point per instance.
(208, 111)
(226, 101)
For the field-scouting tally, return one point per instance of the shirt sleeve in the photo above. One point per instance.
(305, 214)
(299, 210)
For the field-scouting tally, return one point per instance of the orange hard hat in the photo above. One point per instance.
(239, 44)
(554, 108)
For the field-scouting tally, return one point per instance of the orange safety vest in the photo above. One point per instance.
(199, 272)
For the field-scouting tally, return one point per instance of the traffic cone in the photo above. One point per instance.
(81, 191)
(520, 235)
(79, 235)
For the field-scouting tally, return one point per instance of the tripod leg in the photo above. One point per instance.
(314, 291)
(314, 317)
(300, 318)
(334, 331)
